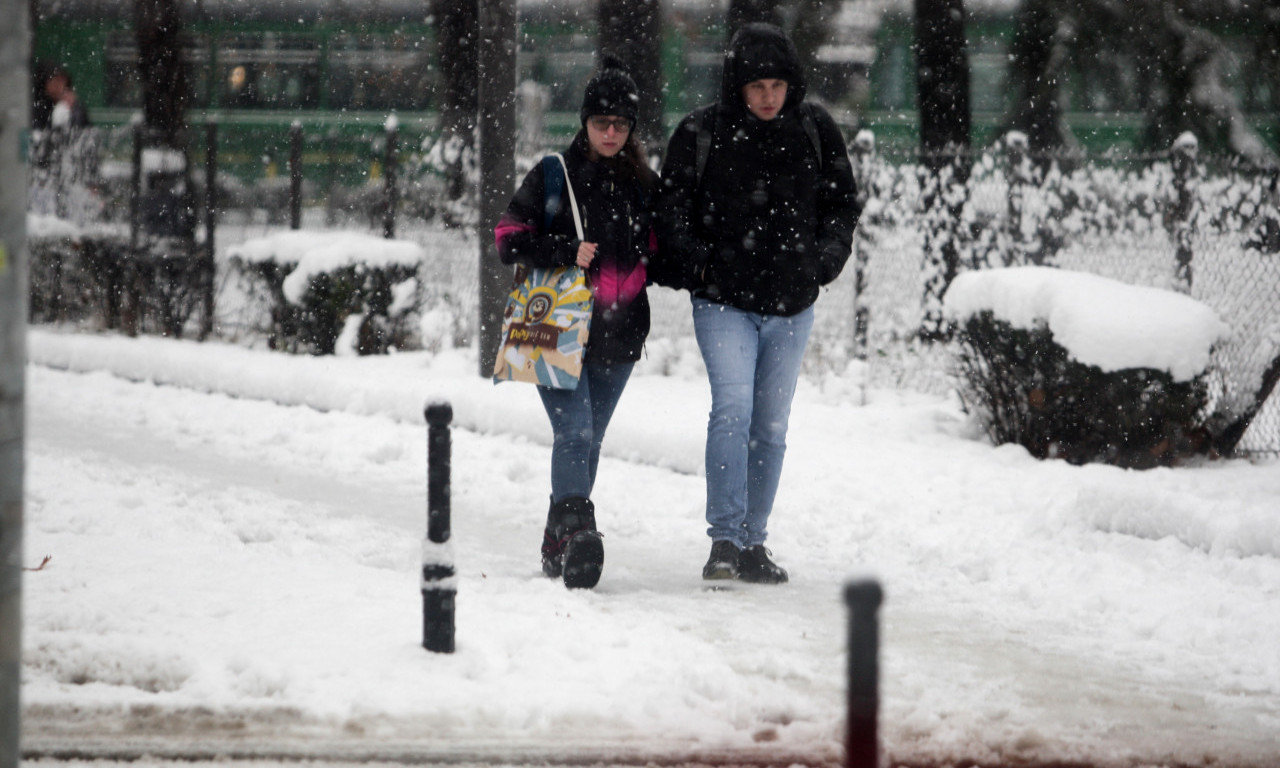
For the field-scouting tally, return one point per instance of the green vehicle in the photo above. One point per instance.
(340, 69)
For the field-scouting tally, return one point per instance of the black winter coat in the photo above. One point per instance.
(616, 214)
(767, 225)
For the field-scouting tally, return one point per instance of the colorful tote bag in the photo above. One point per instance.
(548, 315)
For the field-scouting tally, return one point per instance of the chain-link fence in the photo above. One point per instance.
(1168, 220)
(1208, 228)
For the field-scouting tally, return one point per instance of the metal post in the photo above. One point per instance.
(1183, 157)
(864, 161)
(135, 188)
(391, 193)
(1017, 174)
(862, 747)
(295, 175)
(210, 226)
(439, 586)
(14, 117)
(497, 58)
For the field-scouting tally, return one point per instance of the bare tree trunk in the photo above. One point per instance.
(165, 90)
(14, 112)
(1035, 70)
(813, 25)
(496, 51)
(1177, 66)
(458, 25)
(942, 83)
(942, 80)
(632, 31)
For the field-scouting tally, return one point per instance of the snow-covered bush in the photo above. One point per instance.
(1026, 389)
(335, 292)
(1080, 367)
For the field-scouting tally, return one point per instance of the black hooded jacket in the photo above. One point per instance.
(768, 224)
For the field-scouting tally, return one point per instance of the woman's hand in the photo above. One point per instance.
(586, 254)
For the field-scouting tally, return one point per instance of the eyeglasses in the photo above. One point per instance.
(602, 124)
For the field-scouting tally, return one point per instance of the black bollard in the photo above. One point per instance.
(295, 175)
(391, 193)
(439, 587)
(862, 747)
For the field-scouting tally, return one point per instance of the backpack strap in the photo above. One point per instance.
(573, 201)
(705, 117)
(553, 188)
(810, 126)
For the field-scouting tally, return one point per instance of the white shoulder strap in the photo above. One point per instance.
(573, 201)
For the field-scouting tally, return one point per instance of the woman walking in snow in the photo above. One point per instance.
(614, 187)
(758, 210)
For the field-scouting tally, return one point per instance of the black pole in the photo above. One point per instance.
(210, 226)
(295, 175)
(135, 188)
(439, 587)
(392, 197)
(862, 748)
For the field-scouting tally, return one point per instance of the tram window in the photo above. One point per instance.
(379, 72)
(892, 88)
(123, 88)
(269, 71)
(986, 81)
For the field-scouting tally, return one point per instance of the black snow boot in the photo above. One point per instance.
(552, 549)
(755, 566)
(723, 562)
(572, 547)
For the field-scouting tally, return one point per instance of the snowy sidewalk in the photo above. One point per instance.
(235, 575)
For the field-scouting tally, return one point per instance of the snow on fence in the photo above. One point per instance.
(1170, 220)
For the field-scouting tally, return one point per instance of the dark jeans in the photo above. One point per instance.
(578, 421)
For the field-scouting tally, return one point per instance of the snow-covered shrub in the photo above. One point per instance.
(441, 181)
(1026, 389)
(334, 292)
(1084, 368)
(94, 274)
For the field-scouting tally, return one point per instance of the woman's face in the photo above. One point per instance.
(607, 134)
(765, 97)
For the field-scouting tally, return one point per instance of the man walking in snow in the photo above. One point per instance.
(758, 210)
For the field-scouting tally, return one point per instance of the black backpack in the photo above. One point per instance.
(705, 117)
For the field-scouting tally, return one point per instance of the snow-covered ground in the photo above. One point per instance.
(236, 538)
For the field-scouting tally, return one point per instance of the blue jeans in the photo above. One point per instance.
(753, 363)
(578, 420)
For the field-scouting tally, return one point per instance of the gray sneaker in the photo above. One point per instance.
(723, 563)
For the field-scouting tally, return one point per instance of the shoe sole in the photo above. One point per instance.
(721, 573)
(583, 560)
(762, 579)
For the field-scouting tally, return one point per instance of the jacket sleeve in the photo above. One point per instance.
(838, 206)
(519, 234)
(682, 253)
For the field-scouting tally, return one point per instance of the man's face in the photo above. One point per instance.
(55, 86)
(765, 97)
